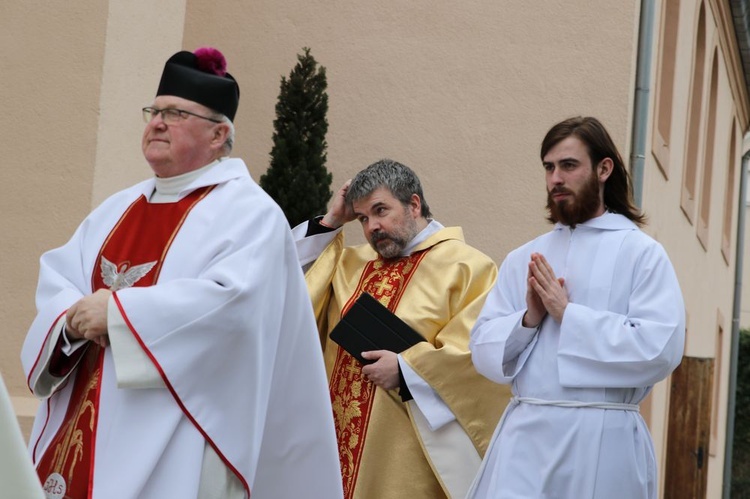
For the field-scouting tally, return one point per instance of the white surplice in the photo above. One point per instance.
(622, 332)
(230, 329)
(17, 476)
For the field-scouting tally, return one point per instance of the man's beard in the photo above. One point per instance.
(582, 207)
(391, 244)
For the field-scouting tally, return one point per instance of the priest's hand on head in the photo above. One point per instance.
(340, 212)
(545, 289)
(87, 318)
(384, 371)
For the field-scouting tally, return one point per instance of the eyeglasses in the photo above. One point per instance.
(171, 115)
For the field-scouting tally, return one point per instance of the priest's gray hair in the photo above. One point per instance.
(229, 143)
(396, 177)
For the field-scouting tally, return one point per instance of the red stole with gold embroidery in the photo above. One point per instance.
(132, 255)
(352, 396)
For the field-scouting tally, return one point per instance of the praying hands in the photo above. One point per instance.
(545, 293)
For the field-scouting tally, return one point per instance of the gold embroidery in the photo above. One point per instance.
(73, 439)
(351, 395)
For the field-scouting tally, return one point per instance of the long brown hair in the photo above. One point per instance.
(618, 191)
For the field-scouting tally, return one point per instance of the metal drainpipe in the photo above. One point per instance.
(640, 111)
(734, 348)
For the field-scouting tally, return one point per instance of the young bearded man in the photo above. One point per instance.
(583, 321)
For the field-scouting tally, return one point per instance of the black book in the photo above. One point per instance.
(368, 325)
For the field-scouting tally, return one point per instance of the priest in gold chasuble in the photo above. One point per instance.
(413, 424)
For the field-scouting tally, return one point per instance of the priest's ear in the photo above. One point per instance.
(604, 169)
(415, 205)
(220, 135)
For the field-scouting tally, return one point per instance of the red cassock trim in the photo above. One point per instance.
(36, 444)
(177, 397)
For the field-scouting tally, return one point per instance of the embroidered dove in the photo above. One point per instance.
(127, 277)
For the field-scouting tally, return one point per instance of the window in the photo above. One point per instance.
(689, 176)
(665, 84)
(704, 209)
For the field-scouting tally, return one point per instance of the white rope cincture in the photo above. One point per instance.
(615, 406)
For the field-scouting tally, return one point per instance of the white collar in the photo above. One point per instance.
(431, 228)
(606, 221)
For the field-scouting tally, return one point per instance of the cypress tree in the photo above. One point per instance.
(297, 178)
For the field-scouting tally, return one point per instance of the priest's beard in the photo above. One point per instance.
(582, 207)
(391, 244)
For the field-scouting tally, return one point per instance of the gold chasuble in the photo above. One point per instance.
(438, 290)
(131, 255)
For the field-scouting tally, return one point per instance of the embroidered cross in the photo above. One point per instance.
(383, 285)
(352, 369)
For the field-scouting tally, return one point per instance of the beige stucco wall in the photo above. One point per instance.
(51, 71)
(140, 36)
(71, 133)
(462, 92)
